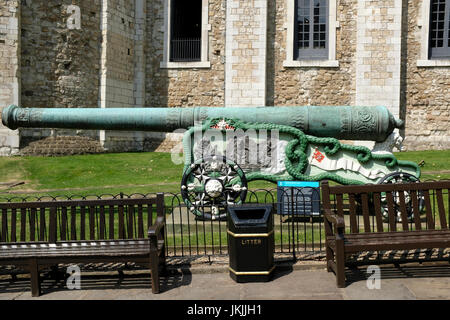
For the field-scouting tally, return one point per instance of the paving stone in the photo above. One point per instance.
(390, 289)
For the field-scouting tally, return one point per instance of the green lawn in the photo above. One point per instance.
(437, 163)
(139, 172)
(93, 174)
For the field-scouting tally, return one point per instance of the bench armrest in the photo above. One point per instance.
(337, 221)
(155, 230)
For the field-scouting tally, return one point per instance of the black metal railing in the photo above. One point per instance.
(296, 230)
(185, 50)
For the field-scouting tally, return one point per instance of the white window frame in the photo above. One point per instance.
(424, 24)
(333, 24)
(206, 27)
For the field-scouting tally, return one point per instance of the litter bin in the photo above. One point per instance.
(250, 242)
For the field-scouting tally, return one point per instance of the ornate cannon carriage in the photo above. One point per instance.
(225, 148)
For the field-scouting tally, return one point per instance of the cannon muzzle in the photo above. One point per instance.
(341, 122)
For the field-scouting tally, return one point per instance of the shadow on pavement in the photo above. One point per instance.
(99, 281)
(435, 270)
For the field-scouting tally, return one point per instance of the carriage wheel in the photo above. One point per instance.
(210, 185)
(400, 177)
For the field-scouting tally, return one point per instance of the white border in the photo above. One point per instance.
(332, 26)
(204, 63)
(424, 24)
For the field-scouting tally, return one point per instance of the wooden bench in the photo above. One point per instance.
(36, 235)
(366, 229)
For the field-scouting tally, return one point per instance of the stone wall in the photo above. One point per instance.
(426, 90)
(115, 60)
(117, 68)
(379, 54)
(60, 64)
(246, 48)
(185, 87)
(311, 85)
(9, 69)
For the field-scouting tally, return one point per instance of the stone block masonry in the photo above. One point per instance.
(117, 81)
(246, 48)
(311, 85)
(378, 58)
(60, 64)
(116, 59)
(176, 87)
(9, 69)
(426, 91)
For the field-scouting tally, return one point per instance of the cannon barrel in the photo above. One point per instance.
(341, 122)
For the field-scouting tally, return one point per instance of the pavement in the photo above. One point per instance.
(303, 280)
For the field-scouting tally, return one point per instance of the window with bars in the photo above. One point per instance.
(185, 26)
(311, 29)
(440, 29)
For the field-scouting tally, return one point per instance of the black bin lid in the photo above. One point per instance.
(247, 215)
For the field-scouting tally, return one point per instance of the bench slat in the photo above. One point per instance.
(416, 212)
(391, 211)
(63, 226)
(52, 225)
(386, 235)
(4, 232)
(393, 239)
(403, 213)
(81, 249)
(149, 215)
(352, 208)
(111, 222)
(130, 231)
(82, 223)
(441, 209)
(42, 224)
(429, 211)
(360, 242)
(140, 222)
(73, 223)
(13, 225)
(365, 211)
(102, 223)
(389, 187)
(23, 224)
(121, 223)
(33, 224)
(92, 222)
(400, 245)
(378, 212)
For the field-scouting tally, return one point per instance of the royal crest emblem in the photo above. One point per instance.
(223, 125)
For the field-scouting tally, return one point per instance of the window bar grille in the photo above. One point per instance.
(183, 50)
